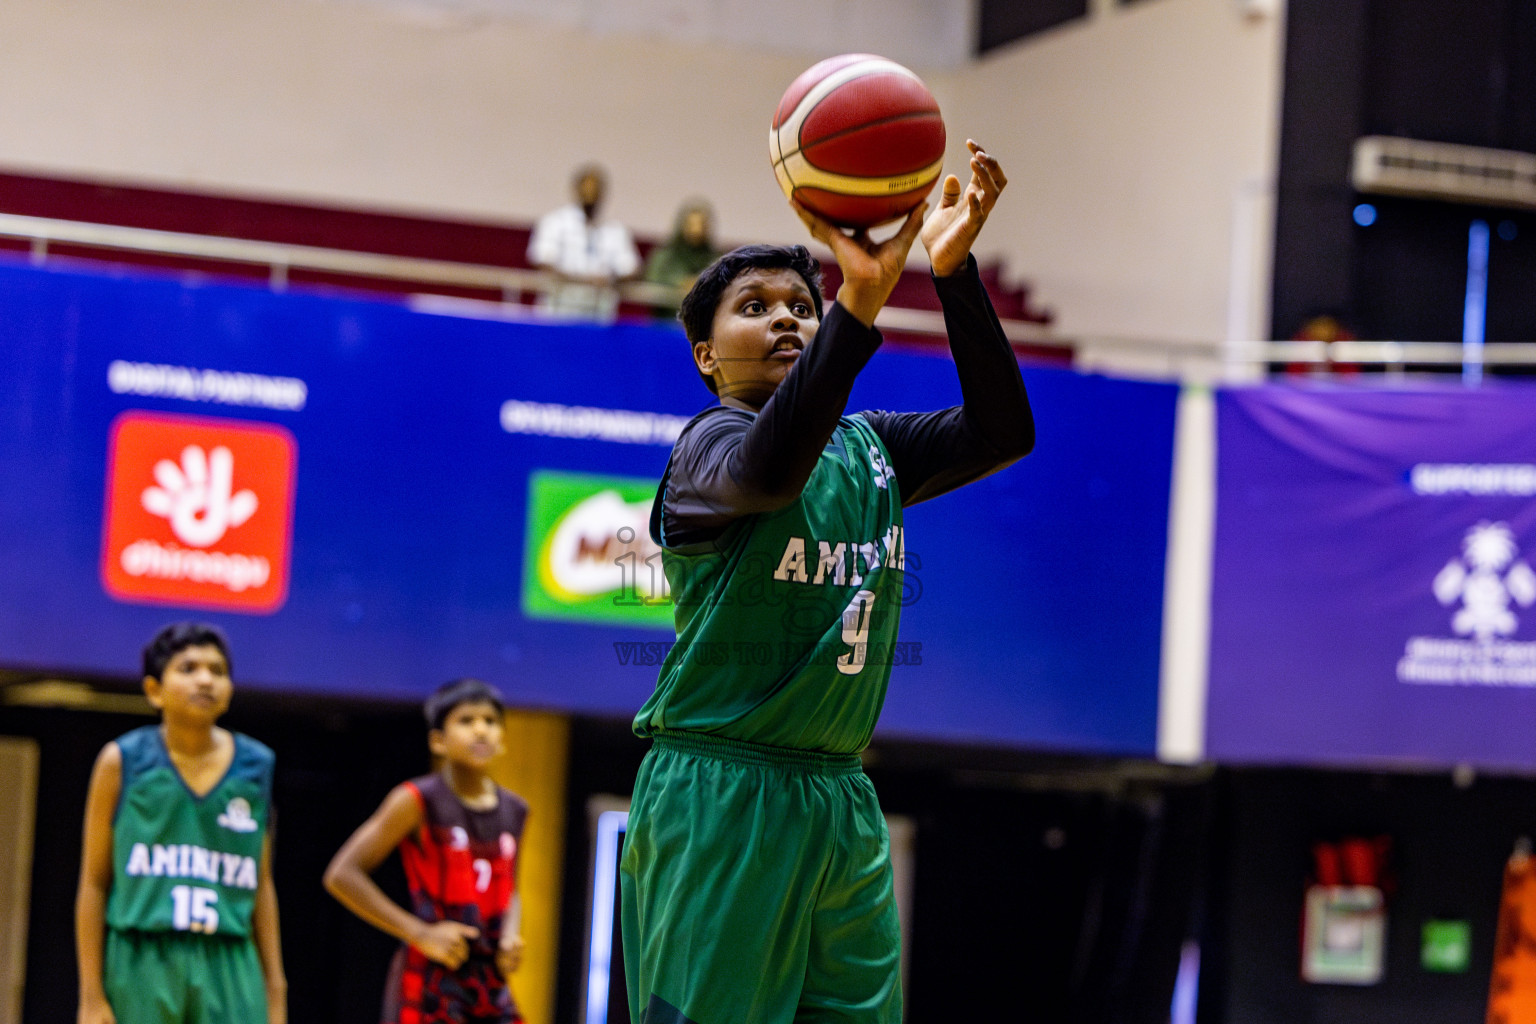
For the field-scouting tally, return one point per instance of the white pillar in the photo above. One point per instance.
(1187, 585)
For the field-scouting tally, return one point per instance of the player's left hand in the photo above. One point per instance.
(509, 955)
(955, 223)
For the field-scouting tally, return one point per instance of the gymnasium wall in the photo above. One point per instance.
(1143, 144)
(1140, 141)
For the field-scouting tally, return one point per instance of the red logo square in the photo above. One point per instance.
(199, 512)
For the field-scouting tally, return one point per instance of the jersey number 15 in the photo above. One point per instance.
(192, 909)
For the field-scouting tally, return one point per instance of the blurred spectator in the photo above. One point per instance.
(588, 255)
(690, 249)
(1323, 327)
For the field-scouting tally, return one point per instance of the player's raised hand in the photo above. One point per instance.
(445, 942)
(509, 955)
(870, 268)
(955, 223)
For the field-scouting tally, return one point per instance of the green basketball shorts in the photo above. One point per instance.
(756, 889)
(171, 978)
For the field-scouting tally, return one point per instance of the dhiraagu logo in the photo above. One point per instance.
(588, 555)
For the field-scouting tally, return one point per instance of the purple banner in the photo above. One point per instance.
(1374, 597)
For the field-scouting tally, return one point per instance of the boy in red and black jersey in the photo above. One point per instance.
(458, 834)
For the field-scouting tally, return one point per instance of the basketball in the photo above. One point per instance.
(857, 139)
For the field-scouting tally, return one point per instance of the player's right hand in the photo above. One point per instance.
(445, 942)
(870, 269)
(95, 1012)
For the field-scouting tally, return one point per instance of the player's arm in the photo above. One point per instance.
(269, 943)
(778, 452)
(509, 950)
(96, 884)
(509, 953)
(996, 404)
(936, 452)
(729, 465)
(870, 269)
(348, 878)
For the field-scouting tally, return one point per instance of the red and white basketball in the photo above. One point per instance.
(857, 139)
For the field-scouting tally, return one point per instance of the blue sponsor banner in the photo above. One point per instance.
(345, 486)
(1374, 598)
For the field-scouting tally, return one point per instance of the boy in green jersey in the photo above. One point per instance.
(756, 876)
(175, 916)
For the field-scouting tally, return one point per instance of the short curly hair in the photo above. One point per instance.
(178, 636)
(451, 694)
(697, 311)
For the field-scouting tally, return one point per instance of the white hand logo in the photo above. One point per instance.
(196, 496)
(1479, 582)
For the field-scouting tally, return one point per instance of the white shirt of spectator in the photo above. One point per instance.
(565, 241)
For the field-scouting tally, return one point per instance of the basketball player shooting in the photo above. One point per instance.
(756, 877)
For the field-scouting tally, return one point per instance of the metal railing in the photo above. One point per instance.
(1199, 359)
(278, 257)
(281, 258)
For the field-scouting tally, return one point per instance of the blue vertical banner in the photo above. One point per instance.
(1374, 592)
(372, 499)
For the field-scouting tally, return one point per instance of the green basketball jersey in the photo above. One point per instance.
(185, 863)
(786, 624)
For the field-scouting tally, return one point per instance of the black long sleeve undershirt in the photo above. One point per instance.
(731, 462)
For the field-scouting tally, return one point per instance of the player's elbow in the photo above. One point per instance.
(332, 879)
(1022, 440)
(1005, 430)
(1012, 439)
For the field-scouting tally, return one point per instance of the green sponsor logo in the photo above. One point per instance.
(1446, 946)
(588, 555)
